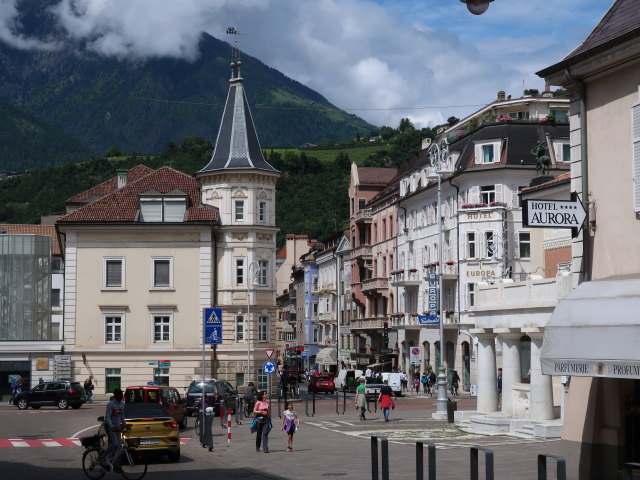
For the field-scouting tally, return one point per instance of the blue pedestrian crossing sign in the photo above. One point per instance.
(212, 326)
(269, 367)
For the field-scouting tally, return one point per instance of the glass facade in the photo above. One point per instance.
(25, 287)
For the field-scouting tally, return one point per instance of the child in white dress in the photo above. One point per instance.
(290, 423)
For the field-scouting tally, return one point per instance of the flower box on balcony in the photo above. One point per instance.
(451, 262)
(413, 270)
(497, 204)
(474, 205)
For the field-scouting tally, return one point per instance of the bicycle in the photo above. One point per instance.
(249, 403)
(96, 460)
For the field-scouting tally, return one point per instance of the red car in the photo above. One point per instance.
(322, 383)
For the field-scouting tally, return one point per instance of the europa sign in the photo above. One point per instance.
(554, 214)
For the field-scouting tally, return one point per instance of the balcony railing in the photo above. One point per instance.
(328, 288)
(449, 270)
(374, 284)
(363, 252)
(405, 278)
(327, 317)
(364, 216)
(410, 320)
(368, 323)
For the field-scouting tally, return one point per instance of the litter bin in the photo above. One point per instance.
(206, 432)
(452, 406)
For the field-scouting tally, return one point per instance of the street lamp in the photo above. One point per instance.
(438, 156)
(477, 7)
(253, 270)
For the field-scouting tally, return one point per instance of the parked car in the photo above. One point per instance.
(322, 383)
(168, 397)
(152, 424)
(61, 393)
(214, 391)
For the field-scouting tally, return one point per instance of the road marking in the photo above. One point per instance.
(51, 442)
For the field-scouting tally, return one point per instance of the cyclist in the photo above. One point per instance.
(114, 420)
(250, 397)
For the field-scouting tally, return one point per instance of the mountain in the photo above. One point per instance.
(26, 142)
(139, 105)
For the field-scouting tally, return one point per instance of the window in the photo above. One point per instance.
(113, 273)
(57, 266)
(524, 243)
(239, 210)
(519, 115)
(487, 154)
(263, 328)
(352, 207)
(262, 272)
(471, 294)
(315, 335)
(112, 379)
(562, 151)
(162, 273)
(471, 245)
(488, 194)
(160, 209)
(262, 212)
(490, 243)
(362, 202)
(113, 329)
(55, 297)
(239, 271)
(562, 115)
(239, 328)
(161, 376)
(635, 136)
(161, 329)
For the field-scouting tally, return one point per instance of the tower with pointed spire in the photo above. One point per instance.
(242, 185)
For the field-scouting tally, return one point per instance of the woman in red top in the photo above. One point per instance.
(262, 410)
(385, 399)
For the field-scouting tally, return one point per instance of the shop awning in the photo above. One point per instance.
(327, 356)
(595, 331)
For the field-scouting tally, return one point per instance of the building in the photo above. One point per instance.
(593, 333)
(31, 303)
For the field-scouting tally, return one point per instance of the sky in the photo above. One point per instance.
(382, 60)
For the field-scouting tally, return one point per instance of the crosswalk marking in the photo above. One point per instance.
(50, 442)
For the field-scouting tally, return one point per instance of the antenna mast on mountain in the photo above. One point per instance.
(235, 53)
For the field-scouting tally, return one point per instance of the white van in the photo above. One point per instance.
(347, 379)
(394, 381)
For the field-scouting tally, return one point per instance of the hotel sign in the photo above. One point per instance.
(592, 368)
(554, 213)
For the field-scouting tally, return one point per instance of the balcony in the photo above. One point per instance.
(449, 270)
(327, 317)
(368, 323)
(362, 253)
(410, 321)
(364, 216)
(327, 288)
(405, 278)
(375, 285)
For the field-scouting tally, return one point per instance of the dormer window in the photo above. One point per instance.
(488, 152)
(156, 207)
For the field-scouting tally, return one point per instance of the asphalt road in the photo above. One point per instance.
(327, 445)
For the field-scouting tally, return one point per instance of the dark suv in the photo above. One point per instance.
(61, 393)
(214, 391)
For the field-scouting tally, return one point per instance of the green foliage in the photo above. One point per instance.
(561, 93)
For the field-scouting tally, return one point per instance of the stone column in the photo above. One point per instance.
(541, 398)
(510, 370)
(487, 373)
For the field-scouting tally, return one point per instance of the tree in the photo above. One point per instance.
(405, 125)
(452, 120)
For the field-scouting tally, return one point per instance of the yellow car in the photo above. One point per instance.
(157, 430)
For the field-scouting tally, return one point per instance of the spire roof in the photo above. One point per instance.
(237, 145)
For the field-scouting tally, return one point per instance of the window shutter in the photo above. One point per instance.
(174, 210)
(499, 195)
(114, 273)
(151, 210)
(474, 194)
(635, 121)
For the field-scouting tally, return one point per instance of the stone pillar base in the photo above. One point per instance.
(439, 415)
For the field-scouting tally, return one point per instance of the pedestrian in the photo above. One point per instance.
(499, 383)
(403, 381)
(368, 372)
(416, 384)
(385, 398)
(425, 383)
(361, 398)
(40, 381)
(455, 383)
(16, 388)
(262, 421)
(114, 421)
(88, 387)
(290, 424)
(432, 382)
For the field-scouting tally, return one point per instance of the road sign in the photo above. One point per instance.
(386, 350)
(212, 325)
(429, 319)
(269, 352)
(416, 357)
(164, 363)
(554, 213)
(269, 367)
(303, 354)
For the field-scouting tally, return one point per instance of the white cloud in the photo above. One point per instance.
(376, 56)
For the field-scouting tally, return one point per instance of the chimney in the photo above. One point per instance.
(425, 143)
(502, 95)
(122, 178)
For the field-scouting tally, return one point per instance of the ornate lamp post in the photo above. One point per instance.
(477, 7)
(438, 155)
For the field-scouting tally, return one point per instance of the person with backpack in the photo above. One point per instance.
(425, 383)
(432, 382)
(88, 387)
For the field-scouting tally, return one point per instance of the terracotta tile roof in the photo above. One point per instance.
(282, 254)
(122, 205)
(563, 177)
(376, 175)
(623, 17)
(110, 185)
(49, 230)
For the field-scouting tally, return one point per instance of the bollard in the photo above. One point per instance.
(488, 463)
(229, 426)
(384, 448)
(344, 402)
(561, 467)
(420, 461)
(206, 430)
(238, 411)
(627, 470)
(223, 410)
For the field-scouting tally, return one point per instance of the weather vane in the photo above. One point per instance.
(235, 54)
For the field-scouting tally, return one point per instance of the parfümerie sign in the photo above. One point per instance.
(553, 213)
(591, 368)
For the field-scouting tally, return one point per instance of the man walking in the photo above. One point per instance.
(385, 399)
(88, 387)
